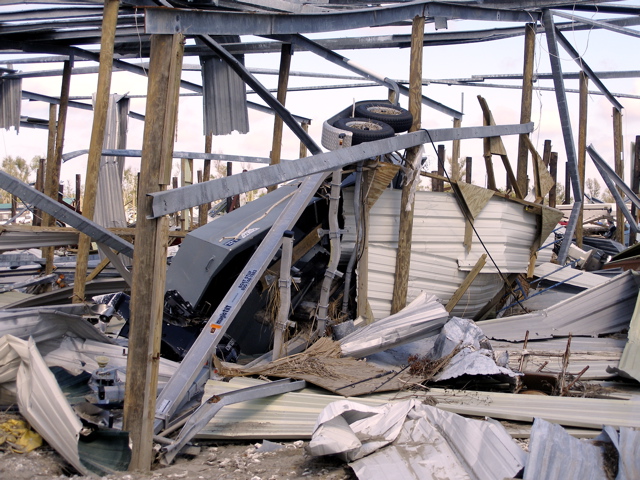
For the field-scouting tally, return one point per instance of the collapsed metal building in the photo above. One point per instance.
(333, 217)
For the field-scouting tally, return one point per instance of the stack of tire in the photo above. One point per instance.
(375, 121)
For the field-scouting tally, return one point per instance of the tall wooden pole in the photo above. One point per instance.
(619, 168)
(553, 171)
(567, 184)
(405, 230)
(582, 149)
(109, 22)
(203, 210)
(468, 166)
(150, 256)
(55, 145)
(525, 107)
(283, 81)
(455, 153)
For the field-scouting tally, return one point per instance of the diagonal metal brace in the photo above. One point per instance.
(205, 412)
(43, 202)
(174, 200)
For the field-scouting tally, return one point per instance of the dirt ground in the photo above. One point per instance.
(220, 461)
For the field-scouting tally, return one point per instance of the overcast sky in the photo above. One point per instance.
(602, 50)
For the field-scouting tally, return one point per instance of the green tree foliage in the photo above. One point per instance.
(21, 169)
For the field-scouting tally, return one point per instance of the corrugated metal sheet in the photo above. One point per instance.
(14, 240)
(10, 103)
(606, 308)
(596, 353)
(572, 276)
(439, 262)
(224, 95)
(289, 416)
(421, 318)
(293, 415)
(40, 399)
(553, 453)
(630, 360)
(109, 210)
(409, 440)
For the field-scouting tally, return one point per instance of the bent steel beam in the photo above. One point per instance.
(567, 133)
(40, 200)
(198, 22)
(175, 391)
(586, 69)
(205, 412)
(192, 155)
(177, 199)
(344, 62)
(596, 23)
(611, 179)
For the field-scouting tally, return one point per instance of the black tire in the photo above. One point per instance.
(364, 130)
(399, 118)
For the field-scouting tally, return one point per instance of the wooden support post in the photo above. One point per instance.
(635, 183)
(553, 171)
(466, 283)
(619, 168)
(14, 206)
(405, 230)
(567, 184)
(203, 210)
(40, 174)
(455, 154)
(109, 22)
(283, 81)
(525, 107)
(54, 154)
(303, 147)
(442, 160)
(467, 167)
(582, 149)
(149, 261)
(78, 192)
(546, 154)
(186, 179)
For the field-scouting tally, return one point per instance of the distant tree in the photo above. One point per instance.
(608, 198)
(593, 187)
(129, 187)
(19, 168)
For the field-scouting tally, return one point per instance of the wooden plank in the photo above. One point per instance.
(619, 169)
(377, 177)
(405, 230)
(303, 147)
(455, 153)
(543, 179)
(471, 276)
(582, 149)
(47, 253)
(149, 262)
(525, 105)
(553, 171)
(101, 105)
(468, 169)
(278, 124)
(203, 210)
(96, 271)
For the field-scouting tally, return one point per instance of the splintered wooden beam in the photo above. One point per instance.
(149, 262)
(405, 229)
(466, 283)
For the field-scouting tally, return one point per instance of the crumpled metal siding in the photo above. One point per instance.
(630, 361)
(606, 308)
(224, 96)
(439, 263)
(553, 453)
(10, 103)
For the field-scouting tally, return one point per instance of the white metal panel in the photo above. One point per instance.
(439, 263)
(572, 276)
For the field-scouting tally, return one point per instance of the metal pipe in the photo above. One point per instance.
(284, 282)
(356, 248)
(334, 236)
